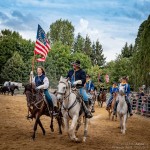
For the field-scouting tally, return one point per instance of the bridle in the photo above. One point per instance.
(67, 109)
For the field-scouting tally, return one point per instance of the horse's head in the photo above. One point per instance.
(62, 88)
(121, 89)
(29, 91)
(16, 87)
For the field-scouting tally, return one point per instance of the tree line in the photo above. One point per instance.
(17, 54)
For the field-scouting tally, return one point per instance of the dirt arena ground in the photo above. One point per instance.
(103, 134)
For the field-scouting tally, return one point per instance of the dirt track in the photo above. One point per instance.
(16, 130)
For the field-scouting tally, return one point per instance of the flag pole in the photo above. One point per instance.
(33, 62)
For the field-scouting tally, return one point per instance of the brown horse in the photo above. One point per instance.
(101, 98)
(111, 107)
(37, 106)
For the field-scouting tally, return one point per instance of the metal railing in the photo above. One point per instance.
(141, 104)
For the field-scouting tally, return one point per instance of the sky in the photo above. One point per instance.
(112, 22)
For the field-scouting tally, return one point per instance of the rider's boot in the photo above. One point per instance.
(129, 106)
(87, 112)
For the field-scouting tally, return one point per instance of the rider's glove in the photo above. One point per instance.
(40, 87)
(31, 73)
(77, 82)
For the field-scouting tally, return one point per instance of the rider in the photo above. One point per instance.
(42, 82)
(113, 89)
(9, 84)
(78, 78)
(124, 83)
(89, 86)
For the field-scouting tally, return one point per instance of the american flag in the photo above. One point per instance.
(42, 45)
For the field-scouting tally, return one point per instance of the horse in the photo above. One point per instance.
(101, 98)
(8, 89)
(111, 107)
(38, 106)
(71, 109)
(122, 109)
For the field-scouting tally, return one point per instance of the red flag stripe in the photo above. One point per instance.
(39, 50)
(41, 44)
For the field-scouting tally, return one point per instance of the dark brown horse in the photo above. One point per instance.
(101, 98)
(37, 106)
(9, 89)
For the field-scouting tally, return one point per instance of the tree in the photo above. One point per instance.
(14, 69)
(141, 58)
(78, 44)
(57, 63)
(87, 46)
(127, 51)
(62, 30)
(11, 42)
(94, 71)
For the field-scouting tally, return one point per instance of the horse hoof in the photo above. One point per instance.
(84, 139)
(60, 133)
(52, 130)
(76, 140)
(33, 138)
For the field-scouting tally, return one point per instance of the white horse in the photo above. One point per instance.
(71, 108)
(122, 109)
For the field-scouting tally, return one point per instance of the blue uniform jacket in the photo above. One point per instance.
(77, 75)
(113, 90)
(89, 86)
(127, 89)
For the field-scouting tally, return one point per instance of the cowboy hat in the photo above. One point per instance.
(77, 63)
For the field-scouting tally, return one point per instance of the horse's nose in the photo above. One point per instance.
(58, 97)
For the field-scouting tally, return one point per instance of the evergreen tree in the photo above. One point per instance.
(14, 69)
(62, 30)
(78, 44)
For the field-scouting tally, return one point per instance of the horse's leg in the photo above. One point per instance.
(66, 123)
(102, 104)
(116, 117)
(121, 123)
(59, 121)
(40, 124)
(12, 93)
(78, 125)
(85, 129)
(124, 123)
(72, 128)
(35, 125)
(51, 125)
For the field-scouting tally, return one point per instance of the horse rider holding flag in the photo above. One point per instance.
(42, 82)
(77, 77)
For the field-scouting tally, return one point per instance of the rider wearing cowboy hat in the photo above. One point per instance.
(78, 78)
